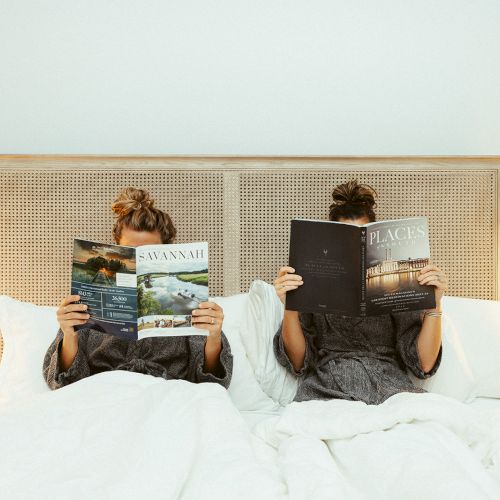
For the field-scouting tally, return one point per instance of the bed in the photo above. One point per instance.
(125, 435)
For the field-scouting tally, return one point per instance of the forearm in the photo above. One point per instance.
(69, 348)
(429, 340)
(213, 347)
(293, 339)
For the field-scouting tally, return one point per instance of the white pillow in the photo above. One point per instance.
(244, 390)
(262, 319)
(477, 323)
(28, 330)
(454, 377)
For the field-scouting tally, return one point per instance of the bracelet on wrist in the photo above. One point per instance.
(436, 314)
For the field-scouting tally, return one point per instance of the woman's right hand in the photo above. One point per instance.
(69, 314)
(286, 281)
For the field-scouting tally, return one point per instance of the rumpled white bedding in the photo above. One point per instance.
(413, 446)
(121, 435)
(125, 435)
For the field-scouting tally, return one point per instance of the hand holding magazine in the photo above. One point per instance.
(138, 292)
(363, 270)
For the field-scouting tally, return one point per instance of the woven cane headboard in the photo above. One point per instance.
(242, 206)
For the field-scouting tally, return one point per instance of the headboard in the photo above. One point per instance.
(242, 206)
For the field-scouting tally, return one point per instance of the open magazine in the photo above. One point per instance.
(147, 291)
(363, 270)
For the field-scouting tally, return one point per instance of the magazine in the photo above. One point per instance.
(363, 270)
(138, 292)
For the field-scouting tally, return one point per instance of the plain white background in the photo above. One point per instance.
(260, 77)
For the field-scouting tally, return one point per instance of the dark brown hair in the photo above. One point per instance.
(134, 208)
(353, 201)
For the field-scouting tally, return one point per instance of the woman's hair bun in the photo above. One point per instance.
(353, 193)
(135, 210)
(131, 199)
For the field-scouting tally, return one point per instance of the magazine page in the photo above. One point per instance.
(396, 250)
(172, 280)
(328, 257)
(104, 277)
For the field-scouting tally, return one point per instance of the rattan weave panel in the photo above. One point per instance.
(42, 211)
(249, 210)
(242, 206)
(460, 205)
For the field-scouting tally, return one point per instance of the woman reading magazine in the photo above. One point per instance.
(358, 358)
(75, 355)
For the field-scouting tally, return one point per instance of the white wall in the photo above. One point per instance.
(311, 77)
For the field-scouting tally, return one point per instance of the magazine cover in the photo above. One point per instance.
(140, 292)
(327, 256)
(172, 280)
(364, 270)
(396, 250)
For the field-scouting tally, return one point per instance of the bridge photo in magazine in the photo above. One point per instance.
(140, 292)
(363, 270)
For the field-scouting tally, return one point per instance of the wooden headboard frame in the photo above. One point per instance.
(242, 206)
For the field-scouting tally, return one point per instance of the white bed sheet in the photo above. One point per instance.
(125, 435)
(487, 404)
(412, 446)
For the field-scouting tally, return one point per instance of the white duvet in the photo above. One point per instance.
(121, 435)
(413, 446)
(124, 435)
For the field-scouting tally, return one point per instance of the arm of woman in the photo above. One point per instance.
(290, 344)
(70, 315)
(293, 339)
(429, 338)
(65, 362)
(419, 338)
(214, 361)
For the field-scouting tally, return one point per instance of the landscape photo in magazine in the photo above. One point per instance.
(172, 280)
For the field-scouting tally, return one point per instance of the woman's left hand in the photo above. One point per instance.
(432, 275)
(209, 316)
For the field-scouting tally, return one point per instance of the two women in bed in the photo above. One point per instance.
(334, 356)
(362, 359)
(197, 358)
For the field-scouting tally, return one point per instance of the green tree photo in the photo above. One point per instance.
(147, 305)
(96, 263)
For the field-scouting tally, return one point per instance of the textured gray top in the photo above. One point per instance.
(361, 359)
(167, 357)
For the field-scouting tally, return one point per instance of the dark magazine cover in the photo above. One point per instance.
(363, 270)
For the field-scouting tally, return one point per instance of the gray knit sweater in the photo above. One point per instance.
(167, 357)
(357, 358)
